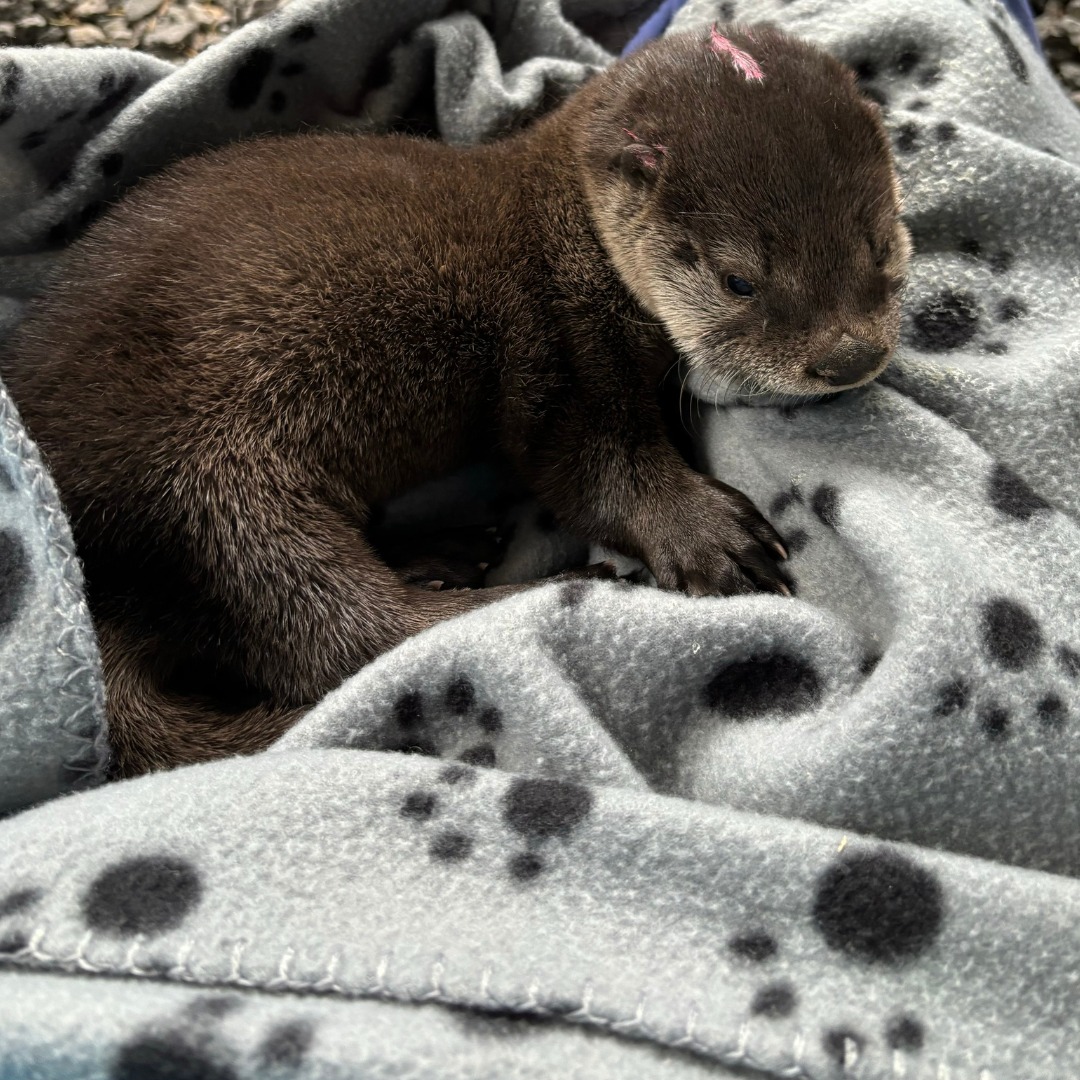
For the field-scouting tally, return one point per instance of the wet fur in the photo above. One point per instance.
(261, 343)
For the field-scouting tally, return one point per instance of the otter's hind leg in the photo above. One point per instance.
(301, 601)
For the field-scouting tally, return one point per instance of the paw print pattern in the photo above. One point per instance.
(1069, 661)
(409, 721)
(1012, 641)
(10, 80)
(146, 895)
(113, 91)
(413, 732)
(192, 1045)
(906, 1034)
(172, 1053)
(753, 945)
(843, 1046)
(15, 903)
(1010, 495)
(993, 719)
(952, 697)
(909, 136)
(1011, 635)
(460, 699)
(248, 80)
(14, 908)
(1013, 57)
(286, 1045)
(775, 1001)
(877, 908)
(824, 502)
(768, 684)
(539, 811)
(953, 318)
(882, 76)
(15, 578)
(795, 540)
(1000, 262)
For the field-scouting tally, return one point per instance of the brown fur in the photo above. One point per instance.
(259, 344)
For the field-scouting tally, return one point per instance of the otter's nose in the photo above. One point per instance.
(850, 362)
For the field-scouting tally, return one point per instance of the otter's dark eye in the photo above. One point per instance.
(740, 286)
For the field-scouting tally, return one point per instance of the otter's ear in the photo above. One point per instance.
(640, 160)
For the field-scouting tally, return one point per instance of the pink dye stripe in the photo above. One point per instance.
(742, 60)
(645, 151)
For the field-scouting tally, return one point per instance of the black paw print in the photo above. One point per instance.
(15, 908)
(10, 82)
(536, 809)
(248, 80)
(191, 1044)
(876, 907)
(883, 77)
(1013, 57)
(463, 720)
(144, 895)
(1012, 641)
(16, 578)
(953, 318)
(911, 136)
(113, 91)
(824, 502)
(775, 683)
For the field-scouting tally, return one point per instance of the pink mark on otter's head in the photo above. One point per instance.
(647, 153)
(742, 60)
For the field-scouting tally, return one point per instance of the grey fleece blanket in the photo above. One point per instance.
(639, 835)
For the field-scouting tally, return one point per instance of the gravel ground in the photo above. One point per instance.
(171, 29)
(1058, 22)
(178, 29)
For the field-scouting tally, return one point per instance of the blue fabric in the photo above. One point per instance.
(654, 25)
(658, 22)
(1020, 10)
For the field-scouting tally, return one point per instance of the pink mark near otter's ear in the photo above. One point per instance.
(742, 60)
(648, 154)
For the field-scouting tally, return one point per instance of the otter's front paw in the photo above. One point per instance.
(714, 542)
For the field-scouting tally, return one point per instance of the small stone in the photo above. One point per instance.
(207, 15)
(167, 35)
(116, 30)
(80, 37)
(32, 22)
(7, 32)
(88, 9)
(134, 10)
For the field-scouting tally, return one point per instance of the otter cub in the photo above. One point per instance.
(258, 344)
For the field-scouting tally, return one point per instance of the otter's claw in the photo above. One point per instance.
(717, 544)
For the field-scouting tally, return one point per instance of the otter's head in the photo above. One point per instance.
(745, 193)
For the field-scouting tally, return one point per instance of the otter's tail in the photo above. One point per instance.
(153, 726)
